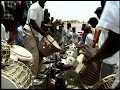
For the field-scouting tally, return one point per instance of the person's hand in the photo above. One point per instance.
(88, 53)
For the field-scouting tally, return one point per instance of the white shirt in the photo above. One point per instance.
(2, 2)
(74, 37)
(89, 39)
(110, 21)
(110, 16)
(3, 33)
(36, 13)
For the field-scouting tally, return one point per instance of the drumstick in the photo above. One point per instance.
(80, 65)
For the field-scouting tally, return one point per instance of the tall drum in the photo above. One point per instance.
(89, 72)
(48, 46)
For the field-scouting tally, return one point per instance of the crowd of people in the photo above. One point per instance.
(25, 23)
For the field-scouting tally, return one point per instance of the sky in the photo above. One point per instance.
(72, 10)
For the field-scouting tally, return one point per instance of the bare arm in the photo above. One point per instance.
(109, 47)
(35, 26)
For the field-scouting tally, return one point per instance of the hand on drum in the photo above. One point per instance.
(88, 52)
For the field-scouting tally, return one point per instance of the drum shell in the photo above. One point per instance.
(46, 47)
(5, 51)
(89, 74)
(18, 74)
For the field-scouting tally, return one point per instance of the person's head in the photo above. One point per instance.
(46, 10)
(83, 26)
(98, 12)
(52, 18)
(73, 29)
(68, 25)
(93, 21)
(87, 29)
(42, 3)
(60, 28)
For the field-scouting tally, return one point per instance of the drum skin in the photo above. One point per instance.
(6, 83)
(21, 53)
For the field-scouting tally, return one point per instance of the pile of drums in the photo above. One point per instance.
(15, 74)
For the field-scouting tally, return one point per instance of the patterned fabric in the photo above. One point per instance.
(8, 13)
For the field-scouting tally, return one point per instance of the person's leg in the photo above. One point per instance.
(31, 45)
(106, 69)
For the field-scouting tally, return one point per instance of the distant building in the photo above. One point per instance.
(74, 23)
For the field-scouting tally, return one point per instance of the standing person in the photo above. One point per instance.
(111, 62)
(3, 31)
(98, 12)
(25, 6)
(18, 13)
(74, 36)
(8, 21)
(67, 34)
(51, 20)
(34, 33)
(46, 16)
(82, 41)
(89, 36)
(93, 21)
(110, 48)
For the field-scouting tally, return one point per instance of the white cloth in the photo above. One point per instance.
(110, 16)
(2, 2)
(36, 13)
(3, 33)
(109, 21)
(89, 39)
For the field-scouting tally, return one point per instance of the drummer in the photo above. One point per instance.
(110, 48)
(34, 33)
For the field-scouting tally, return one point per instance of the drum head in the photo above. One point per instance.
(53, 42)
(20, 52)
(6, 83)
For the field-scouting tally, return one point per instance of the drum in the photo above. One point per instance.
(16, 76)
(48, 46)
(5, 51)
(105, 83)
(70, 56)
(89, 72)
(71, 52)
(21, 53)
